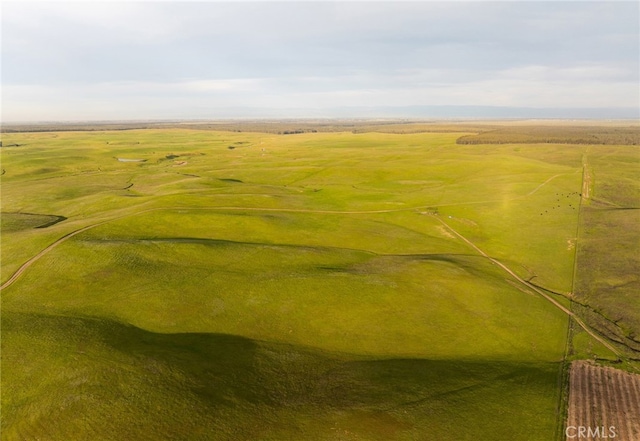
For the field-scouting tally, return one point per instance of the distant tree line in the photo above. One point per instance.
(595, 135)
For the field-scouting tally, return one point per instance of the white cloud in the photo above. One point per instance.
(172, 59)
(572, 73)
(214, 85)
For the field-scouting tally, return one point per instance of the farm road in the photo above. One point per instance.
(586, 179)
(35, 258)
(31, 261)
(67, 236)
(545, 183)
(532, 287)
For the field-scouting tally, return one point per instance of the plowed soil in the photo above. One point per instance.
(604, 399)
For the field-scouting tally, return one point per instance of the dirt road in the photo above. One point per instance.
(531, 287)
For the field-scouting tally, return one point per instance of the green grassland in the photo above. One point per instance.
(256, 286)
(126, 383)
(608, 279)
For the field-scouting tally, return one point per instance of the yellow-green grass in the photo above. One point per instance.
(281, 278)
(306, 286)
(337, 171)
(536, 232)
(583, 346)
(607, 279)
(12, 222)
(67, 378)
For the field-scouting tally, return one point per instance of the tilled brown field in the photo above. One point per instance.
(604, 403)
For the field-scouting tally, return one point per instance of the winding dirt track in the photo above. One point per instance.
(586, 179)
(533, 288)
(35, 258)
(586, 183)
(544, 183)
(31, 261)
(67, 236)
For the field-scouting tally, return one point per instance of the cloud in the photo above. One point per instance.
(163, 57)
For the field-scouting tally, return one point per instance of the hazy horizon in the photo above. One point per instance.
(457, 114)
(71, 61)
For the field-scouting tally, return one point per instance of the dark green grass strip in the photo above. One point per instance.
(23, 221)
(69, 378)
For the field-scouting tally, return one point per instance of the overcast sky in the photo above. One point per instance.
(153, 60)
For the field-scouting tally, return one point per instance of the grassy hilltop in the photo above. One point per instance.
(177, 283)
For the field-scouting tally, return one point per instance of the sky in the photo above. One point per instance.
(122, 60)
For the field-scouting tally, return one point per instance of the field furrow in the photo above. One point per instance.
(618, 410)
(602, 398)
(573, 391)
(622, 405)
(633, 394)
(587, 400)
(603, 403)
(342, 285)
